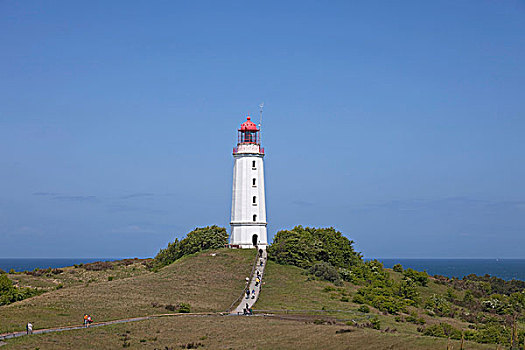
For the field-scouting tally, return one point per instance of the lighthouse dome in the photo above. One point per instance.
(248, 125)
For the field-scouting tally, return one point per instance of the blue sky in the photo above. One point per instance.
(399, 123)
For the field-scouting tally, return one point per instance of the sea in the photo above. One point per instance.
(506, 269)
(29, 264)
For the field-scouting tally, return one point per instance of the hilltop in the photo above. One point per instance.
(317, 292)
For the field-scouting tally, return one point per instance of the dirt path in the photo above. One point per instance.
(98, 324)
(253, 286)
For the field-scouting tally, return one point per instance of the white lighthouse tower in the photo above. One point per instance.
(248, 220)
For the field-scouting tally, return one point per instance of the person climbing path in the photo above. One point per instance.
(254, 286)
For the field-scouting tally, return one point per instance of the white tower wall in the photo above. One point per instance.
(248, 216)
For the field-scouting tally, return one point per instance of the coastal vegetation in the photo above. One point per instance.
(9, 293)
(200, 239)
(317, 291)
(482, 309)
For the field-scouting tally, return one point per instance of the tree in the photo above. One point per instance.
(202, 238)
(305, 246)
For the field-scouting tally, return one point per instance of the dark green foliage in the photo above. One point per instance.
(420, 278)
(376, 324)
(184, 308)
(493, 334)
(325, 271)
(437, 305)
(408, 291)
(363, 308)
(365, 273)
(304, 247)
(2, 271)
(210, 237)
(9, 293)
(443, 330)
(397, 268)
(381, 295)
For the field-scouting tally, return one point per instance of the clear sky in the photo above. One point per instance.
(401, 124)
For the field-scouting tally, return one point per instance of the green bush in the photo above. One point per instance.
(438, 305)
(376, 324)
(184, 308)
(398, 268)
(420, 278)
(325, 271)
(9, 293)
(305, 246)
(210, 237)
(443, 330)
(363, 308)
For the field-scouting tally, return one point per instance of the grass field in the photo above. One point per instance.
(231, 332)
(307, 313)
(206, 282)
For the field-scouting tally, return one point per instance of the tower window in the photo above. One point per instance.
(253, 164)
(254, 182)
(254, 200)
(254, 217)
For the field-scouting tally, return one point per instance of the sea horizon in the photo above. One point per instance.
(504, 268)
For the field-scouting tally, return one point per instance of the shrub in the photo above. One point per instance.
(210, 237)
(110, 278)
(325, 271)
(98, 266)
(363, 308)
(9, 293)
(184, 308)
(376, 324)
(443, 330)
(170, 307)
(420, 278)
(398, 268)
(438, 305)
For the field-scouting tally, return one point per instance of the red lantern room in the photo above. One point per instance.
(248, 133)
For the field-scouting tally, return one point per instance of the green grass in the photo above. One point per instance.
(224, 332)
(206, 282)
(288, 288)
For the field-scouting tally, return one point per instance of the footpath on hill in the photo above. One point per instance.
(99, 324)
(253, 288)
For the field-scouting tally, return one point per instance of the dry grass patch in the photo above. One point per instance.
(226, 332)
(206, 282)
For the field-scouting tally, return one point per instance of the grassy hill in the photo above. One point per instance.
(211, 283)
(206, 282)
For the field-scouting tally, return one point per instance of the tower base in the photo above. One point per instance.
(248, 236)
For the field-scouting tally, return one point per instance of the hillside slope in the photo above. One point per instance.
(206, 282)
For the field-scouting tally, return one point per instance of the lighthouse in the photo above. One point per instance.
(248, 217)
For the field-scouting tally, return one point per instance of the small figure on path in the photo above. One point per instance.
(253, 294)
(29, 328)
(247, 294)
(89, 321)
(85, 320)
(261, 262)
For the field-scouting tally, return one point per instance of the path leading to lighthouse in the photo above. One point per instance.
(253, 286)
